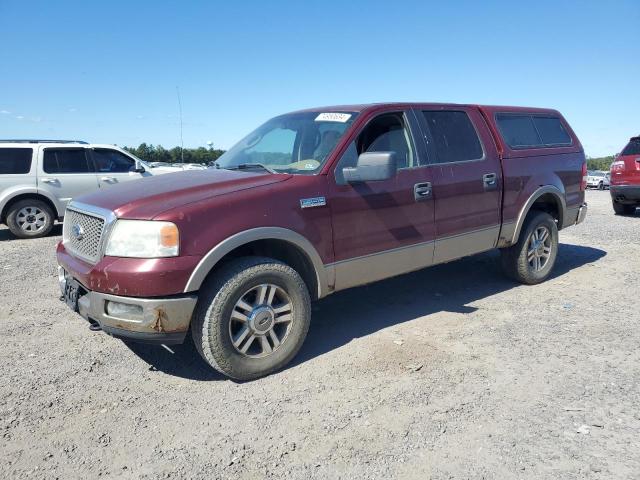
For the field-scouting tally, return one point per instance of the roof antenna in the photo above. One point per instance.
(181, 139)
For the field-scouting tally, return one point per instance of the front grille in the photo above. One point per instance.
(82, 234)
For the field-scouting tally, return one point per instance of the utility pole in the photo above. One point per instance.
(181, 138)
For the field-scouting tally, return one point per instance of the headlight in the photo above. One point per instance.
(143, 239)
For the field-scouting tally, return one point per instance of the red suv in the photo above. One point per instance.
(625, 179)
(314, 202)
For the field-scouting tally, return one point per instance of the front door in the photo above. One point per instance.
(66, 173)
(113, 167)
(467, 181)
(382, 228)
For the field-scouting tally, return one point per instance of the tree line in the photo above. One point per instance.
(157, 153)
(600, 163)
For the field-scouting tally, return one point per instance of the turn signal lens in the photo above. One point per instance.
(583, 185)
(169, 236)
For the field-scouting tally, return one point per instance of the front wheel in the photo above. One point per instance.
(601, 186)
(252, 318)
(532, 258)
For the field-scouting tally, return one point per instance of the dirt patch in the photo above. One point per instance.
(452, 372)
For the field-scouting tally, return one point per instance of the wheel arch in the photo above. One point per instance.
(276, 242)
(23, 195)
(546, 198)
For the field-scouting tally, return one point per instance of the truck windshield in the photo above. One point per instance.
(297, 143)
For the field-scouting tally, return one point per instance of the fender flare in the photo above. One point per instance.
(545, 189)
(209, 261)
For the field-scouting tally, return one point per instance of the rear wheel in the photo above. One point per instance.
(252, 318)
(30, 218)
(622, 209)
(531, 260)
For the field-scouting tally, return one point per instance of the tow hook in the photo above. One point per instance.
(94, 326)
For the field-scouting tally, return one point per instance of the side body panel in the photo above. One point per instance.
(529, 173)
(207, 223)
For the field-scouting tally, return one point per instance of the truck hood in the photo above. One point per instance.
(148, 197)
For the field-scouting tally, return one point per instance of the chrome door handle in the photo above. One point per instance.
(422, 191)
(490, 181)
(107, 179)
(49, 180)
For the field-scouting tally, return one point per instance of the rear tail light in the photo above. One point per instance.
(583, 185)
(617, 165)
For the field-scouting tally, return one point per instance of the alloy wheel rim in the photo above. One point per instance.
(261, 321)
(31, 219)
(539, 248)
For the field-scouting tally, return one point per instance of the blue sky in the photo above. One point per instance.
(107, 71)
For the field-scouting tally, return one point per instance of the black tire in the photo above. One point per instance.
(18, 220)
(622, 209)
(514, 259)
(212, 324)
(601, 186)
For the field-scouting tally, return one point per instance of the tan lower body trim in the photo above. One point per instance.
(458, 246)
(378, 266)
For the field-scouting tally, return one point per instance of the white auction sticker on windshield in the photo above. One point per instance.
(333, 117)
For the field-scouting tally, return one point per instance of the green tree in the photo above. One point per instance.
(600, 163)
(157, 153)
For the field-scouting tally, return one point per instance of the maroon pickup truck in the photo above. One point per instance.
(310, 203)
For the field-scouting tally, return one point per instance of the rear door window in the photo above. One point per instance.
(15, 160)
(58, 160)
(518, 131)
(454, 136)
(551, 131)
(532, 131)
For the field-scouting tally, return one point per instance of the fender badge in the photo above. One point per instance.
(313, 202)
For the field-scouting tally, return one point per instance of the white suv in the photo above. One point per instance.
(39, 177)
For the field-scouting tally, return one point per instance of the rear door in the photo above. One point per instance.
(467, 181)
(113, 167)
(65, 173)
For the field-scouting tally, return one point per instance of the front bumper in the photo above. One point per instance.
(155, 320)
(625, 193)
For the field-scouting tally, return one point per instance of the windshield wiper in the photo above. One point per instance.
(247, 166)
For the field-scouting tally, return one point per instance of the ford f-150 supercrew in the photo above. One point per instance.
(310, 203)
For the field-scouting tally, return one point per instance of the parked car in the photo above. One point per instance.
(164, 167)
(598, 179)
(39, 177)
(311, 203)
(625, 179)
(190, 166)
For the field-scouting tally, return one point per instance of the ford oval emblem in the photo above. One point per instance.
(78, 231)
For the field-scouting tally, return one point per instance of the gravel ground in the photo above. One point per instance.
(452, 372)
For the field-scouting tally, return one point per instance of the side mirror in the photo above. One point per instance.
(139, 168)
(372, 167)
